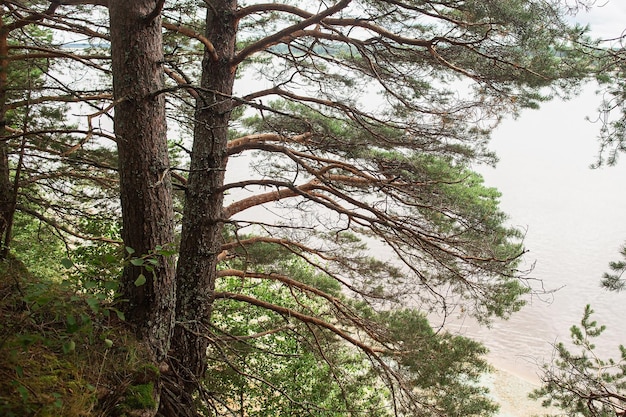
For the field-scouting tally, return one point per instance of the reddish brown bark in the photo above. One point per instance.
(145, 185)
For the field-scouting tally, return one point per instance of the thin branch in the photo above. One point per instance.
(261, 334)
(339, 305)
(65, 229)
(192, 34)
(32, 18)
(288, 244)
(154, 13)
(287, 312)
(52, 53)
(89, 135)
(270, 40)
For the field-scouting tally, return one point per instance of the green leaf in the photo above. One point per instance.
(120, 314)
(90, 284)
(58, 402)
(69, 346)
(137, 261)
(108, 258)
(23, 391)
(111, 285)
(71, 324)
(141, 279)
(108, 343)
(93, 303)
(67, 263)
(130, 250)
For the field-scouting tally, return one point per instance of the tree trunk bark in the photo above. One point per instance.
(203, 215)
(145, 184)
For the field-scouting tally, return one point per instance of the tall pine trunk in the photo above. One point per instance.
(145, 185)
(203, 221)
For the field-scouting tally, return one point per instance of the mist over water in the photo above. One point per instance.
(574, 222)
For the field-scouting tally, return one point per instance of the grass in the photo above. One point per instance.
(62, 354)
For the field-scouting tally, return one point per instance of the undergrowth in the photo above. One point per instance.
(65, 353)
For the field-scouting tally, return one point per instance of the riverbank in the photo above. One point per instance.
(511, 392)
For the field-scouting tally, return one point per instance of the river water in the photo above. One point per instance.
(574, 222)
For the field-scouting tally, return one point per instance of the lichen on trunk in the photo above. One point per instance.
(203, 215)
(145, 186)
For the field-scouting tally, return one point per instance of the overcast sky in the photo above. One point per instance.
(607, 18)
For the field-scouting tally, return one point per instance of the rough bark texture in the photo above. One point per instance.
(145, 185)
(200, 240)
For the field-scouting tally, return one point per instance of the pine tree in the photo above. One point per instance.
(579, 381)
(339, 170)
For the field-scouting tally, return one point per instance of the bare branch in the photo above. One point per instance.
(181, 82)
(271, 40)
(55, 53)
(192, 34)
(289, 190)
(365, 347)
(74, 98)
(289, 244)
(65, 229)
(240, 144)
(155, 13)
(32, 18)
(104, 3)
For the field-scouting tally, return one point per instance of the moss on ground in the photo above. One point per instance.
(139, 397)
(62, 356)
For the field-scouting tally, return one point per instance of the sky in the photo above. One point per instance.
(607, 18)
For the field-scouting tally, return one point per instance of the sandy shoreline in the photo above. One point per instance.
(511, 392)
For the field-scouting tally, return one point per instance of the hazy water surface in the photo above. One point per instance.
(575, 222)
